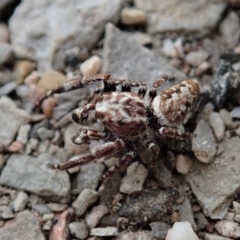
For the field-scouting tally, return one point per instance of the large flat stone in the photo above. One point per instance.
(215, 184)
(124, 58)
(48, 27)
(31, 174)
(197, 17)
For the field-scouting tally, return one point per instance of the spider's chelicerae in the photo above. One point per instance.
(126, 117)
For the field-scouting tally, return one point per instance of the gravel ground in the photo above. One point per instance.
(194, 191)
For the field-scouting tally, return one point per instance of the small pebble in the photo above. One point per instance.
(20, 201)
(195, 58)
(132, 16)
(44, 133)
(93, 218)
(5, 52)
(183, 163)
(35, 93)
(51, 79)
(57, 207)
(48, 107)
(91, 66)
(181, 231)
(23, 69)
(8, 88)
(215, 237)
(42, 209)
(47, 217)
(5, 213)
(203, 68)
(5, 200)
(23, 133)
(104, 232)
(217, 125)
(159, 229)
(33, 78)
(78, 229)
(236, 206)
(226, 117)
(168, 48)
(134, 179)
(228, 229)
(16, 147)
(22, 91)
(47, 226)
(235, 113)
(4, 33)
(84, 200)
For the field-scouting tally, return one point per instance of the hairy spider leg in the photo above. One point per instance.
(155, 86)
(148, 143)
(173, 133)
(130, 155)
(105, 149)
(86, 134)
(126, 87)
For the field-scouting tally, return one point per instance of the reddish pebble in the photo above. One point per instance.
(35, 93)
(47, 107)
(16, 147)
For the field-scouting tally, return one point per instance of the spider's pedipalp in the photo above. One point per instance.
(81, 114)
(100, 151)
(86, 134)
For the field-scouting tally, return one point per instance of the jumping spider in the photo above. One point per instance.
(126, 117)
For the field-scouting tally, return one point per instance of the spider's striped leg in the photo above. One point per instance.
(173, 133)
(81, 82)
(156, 85)
(81, 114)
(122, 162)
(87, 134)
(147, 142)
(100, 151)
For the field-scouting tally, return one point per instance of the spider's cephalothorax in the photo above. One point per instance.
(126, 116)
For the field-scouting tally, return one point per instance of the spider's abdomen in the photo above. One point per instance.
(123, 113)
(173, 104)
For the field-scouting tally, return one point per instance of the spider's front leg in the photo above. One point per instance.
(105, 149)
(173, 133)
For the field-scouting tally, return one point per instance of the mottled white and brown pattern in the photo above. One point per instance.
(126, 116)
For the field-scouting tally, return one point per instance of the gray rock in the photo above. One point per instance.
(8, 88)
(107, 231)
(230, 30)
(24, 227)
(235, 113)
(215, 237)
(44, 133)
(88, 177)
(11, 120)
(6, 213)
(74, 24)
(78, 229)
(5, 52)
(23, 133)
(84, 200)
(159, 229)
(47, 225)
(197, 17)
(121, 52)
(31, 174)
(217, 125)
(215, 184)
(150, 205)
(203, 142)
(56, 207)
(42, 209)
(195, 58)
(186, 214)
(20, 201)
(140, 235)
